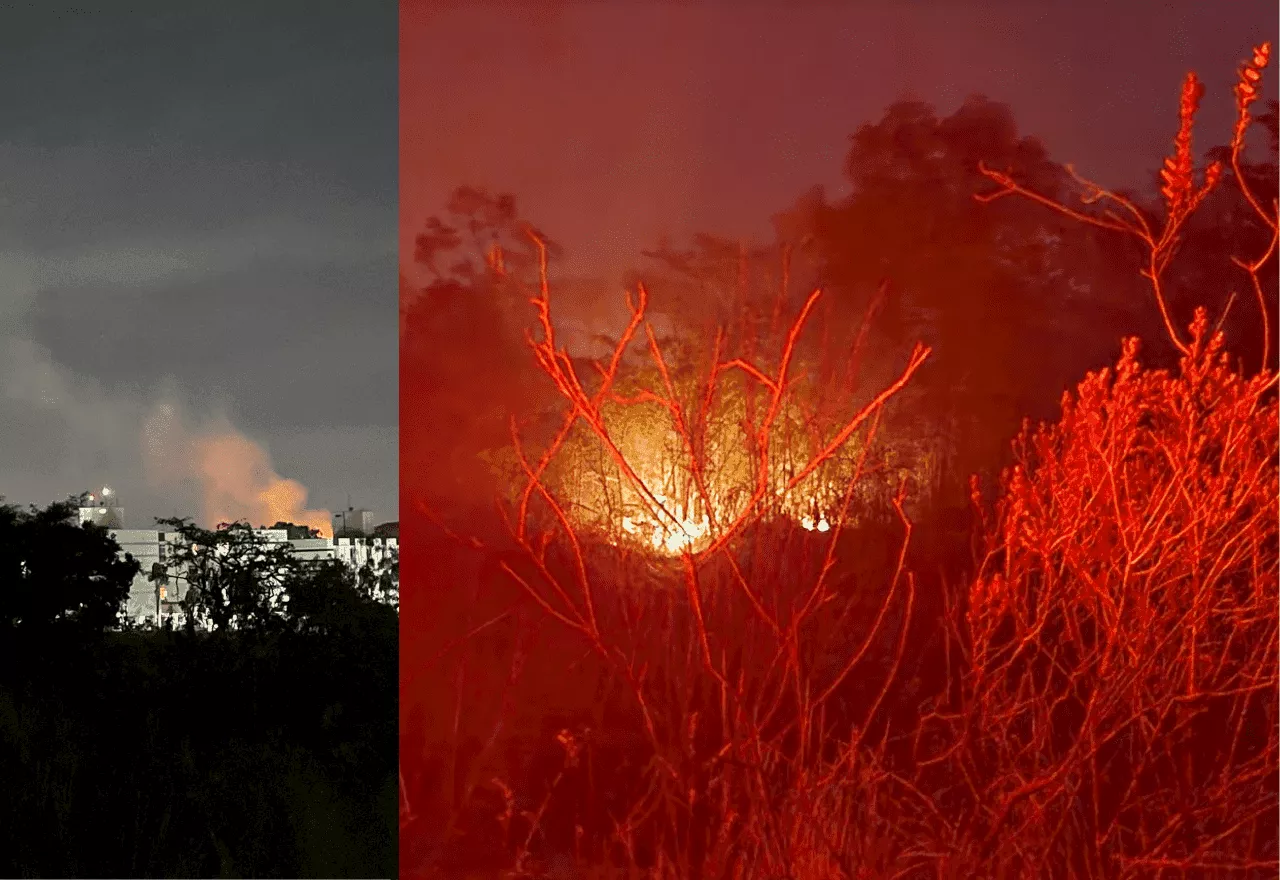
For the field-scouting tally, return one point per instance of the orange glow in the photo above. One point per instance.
(663, 509)
(681, 465)
(235, 476)
(240, 484)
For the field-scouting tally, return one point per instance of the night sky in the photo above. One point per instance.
(198, 209)
(616, 122)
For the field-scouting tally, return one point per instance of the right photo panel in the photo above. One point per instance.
(839, 440)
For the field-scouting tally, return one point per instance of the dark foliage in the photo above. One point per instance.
(57, 574)
(265, 747)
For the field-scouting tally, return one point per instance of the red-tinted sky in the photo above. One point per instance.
(616, 122)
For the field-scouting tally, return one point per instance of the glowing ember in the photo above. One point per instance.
(676, 537)
(821, 525)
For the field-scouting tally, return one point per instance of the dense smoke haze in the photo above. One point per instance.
(143, 440)
(624, 128)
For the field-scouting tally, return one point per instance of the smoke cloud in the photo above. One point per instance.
(234, 475)
(176, 465)
(67, 432)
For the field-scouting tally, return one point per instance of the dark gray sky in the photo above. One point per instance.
(616, 122)
(198, 208)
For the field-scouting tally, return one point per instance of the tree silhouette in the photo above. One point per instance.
(263, 746)
(235, 578)
(295, 531)
(460, 351)
(332, 599)
(54, 572)
(998, 290)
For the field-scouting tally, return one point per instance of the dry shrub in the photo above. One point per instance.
(1119, 700)
(1111, 707)
(1117, 712)
(725, 651)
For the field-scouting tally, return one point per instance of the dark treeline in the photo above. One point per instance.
(259, 745)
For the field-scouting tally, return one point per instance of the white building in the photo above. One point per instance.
(103, 509)
(353, 521)
(155, 547)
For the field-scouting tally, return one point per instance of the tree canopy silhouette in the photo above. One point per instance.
(1016, 301)
(55, 572)
(460, 349)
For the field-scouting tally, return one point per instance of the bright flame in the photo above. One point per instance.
(819, 525)
(673, 534)
(669, 515)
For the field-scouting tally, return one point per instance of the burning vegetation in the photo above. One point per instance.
(765, 678)
(680, 467)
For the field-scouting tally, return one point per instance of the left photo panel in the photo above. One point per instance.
(199, 536)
